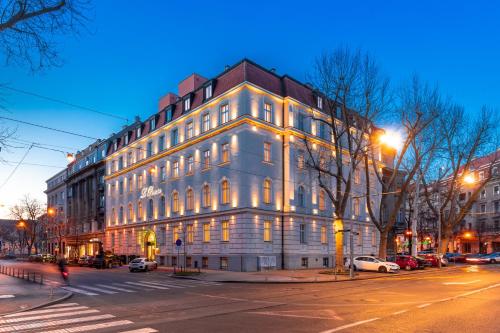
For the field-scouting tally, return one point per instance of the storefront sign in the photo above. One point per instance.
(150, 191)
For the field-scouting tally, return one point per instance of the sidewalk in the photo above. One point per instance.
(18, 295)
(292, 276)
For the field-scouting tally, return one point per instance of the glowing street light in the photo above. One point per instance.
(469, 179)
(467, 235)
(391, 139)
(70, 157)
(21, 224)
(51, 211)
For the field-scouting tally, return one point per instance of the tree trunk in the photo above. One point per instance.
(339, 246)
(382, 251)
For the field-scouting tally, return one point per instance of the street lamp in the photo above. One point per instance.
(21, 224)
(391, 139)
(51, 212)
(469, 179)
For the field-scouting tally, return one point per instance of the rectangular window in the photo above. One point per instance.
(324, 237)
(163, 174)
(120, 163)
(304, 262)
(120, 187)
(152, 124)
(190, 234)
(204, 262)
(224, 113)
(138, 132)
(302, 232)
(189, 129)
(497, 206)
(225, 231)
(268, 112)
(205, 122)
(129, 158)
(206, 159)
(319, 102)
(267, 231)
(187, 104)
(190, 165)
(224, 263)
(175, 234)
(483, 194)
(208, 91)
(161, 143)
(206, 232)
(496, 190)
(483, 208)
(225, 152)
(168, 116)
(300, 122)
(300, 162)
(267, 152)
(325, 262)
(149, 150)
(140, 183)
(374, 237)
(175, 169)
(130, 184)
(174, 139)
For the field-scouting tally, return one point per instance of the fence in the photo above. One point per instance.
(21, 273)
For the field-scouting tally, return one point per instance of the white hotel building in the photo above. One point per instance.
(219, 167)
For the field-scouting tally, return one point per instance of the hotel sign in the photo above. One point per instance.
(150, 191)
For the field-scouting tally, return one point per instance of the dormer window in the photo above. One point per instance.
(152, 124)
(115, 145)
(319, 102)
(139, 131)
(186, 104)
(168, 115)
(208, 91)
(125, 138)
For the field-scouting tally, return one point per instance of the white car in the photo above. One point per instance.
(142, 264)
(370, 263)
(493, 258)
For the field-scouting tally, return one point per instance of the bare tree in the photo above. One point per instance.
(354, 94)
(28, 29)
(416, 109)
(28, 212)
(463, 140)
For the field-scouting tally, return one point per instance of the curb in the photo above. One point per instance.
(52, 302)
(303, 282)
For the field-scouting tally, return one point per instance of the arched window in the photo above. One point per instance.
(300, 196)
(267, 191)
(189, 199)
(206, 195)
(161, 205)
(120, 215)
(150, 208)
(113, 216)
(175, 202)
(139, 210)
(225, 191)
(130, 211)
(321, 203)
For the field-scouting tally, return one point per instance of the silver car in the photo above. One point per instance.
(142, 264)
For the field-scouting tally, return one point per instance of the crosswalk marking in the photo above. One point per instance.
(80, 291)
(162, 284)
(48, 316)
(129, 286)
(146, 285)
(97, 289)
(115, 288)
(61, 305)
(141, 330)
(34, 312)
(54, 323)
(91, 327)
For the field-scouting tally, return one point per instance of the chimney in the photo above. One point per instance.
(166, 100)
(226, 67)
(190, 84)
(137, 119)
(273, 70)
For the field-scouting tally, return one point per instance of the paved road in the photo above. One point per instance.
(466, 299)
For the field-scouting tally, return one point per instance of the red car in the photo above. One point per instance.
(433, 259)
(404, 261)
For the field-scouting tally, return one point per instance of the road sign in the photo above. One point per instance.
(178, 242)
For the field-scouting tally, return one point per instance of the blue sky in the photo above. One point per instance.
(137, 51)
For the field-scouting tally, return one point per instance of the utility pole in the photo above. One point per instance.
(439, 219)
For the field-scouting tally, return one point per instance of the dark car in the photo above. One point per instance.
(404, 261)
(106, 261)
(86, 261)
(462, 257)
(422, 263)
(452, 256)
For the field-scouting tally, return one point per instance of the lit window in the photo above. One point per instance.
(189, 129)
(268, 112)
(324, 238)
(187, 104)
(140, 183)
(225, 192)
(300, 162)
(208, 91)
(190, 234)
(267, 152)
(189, 199)
(225, 231)
(205, 122)
(206, 195)
(190, 165)
(139, 210)
(206, 232)
(206, 159)
(130, 212)
(321, 203)
(319, 102)
(175, 202)
(267, 191)
(174, 139)
(175, 234)
(161, 203)
(300, 196)
(225, 152)
(224, 113)
(175, 169)
(161, 143)
(355, 206)
(267, 231)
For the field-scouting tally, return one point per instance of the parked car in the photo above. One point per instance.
(477, 259)
(404, 261)
(434, 259)
(463, 257)
(142, 264)
(47, 257)
(370, 263)
(35, 258)
(106, 261)
(493, 258)
(452, 256)
(86, 261)
(424, 252)
(423, 262)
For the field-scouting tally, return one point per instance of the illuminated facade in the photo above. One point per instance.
(219, 167)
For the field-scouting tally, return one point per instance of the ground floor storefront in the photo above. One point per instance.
(75, 247)
(473, 243)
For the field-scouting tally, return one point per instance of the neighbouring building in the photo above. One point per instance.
(220, 167)
(57, 206)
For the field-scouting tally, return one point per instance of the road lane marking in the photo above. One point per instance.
(97, 289)
(61, 305)
(116, 288)
(176, 283)
(28, 313)
(423, 305)
(91, 327)
(163, 284)
(145, 285)
(399, 312)
(13, 328)
(460, 283)
(329, 314)
(48, 316)
(340, 328)
(80, 291)
(7, 296)
(141, 330)
(478, 290)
